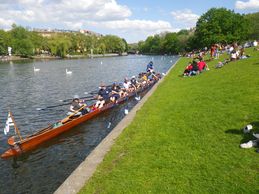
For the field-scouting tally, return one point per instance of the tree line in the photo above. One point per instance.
(217, 25)
(28, 43)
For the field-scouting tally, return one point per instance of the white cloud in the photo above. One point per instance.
(63, 10)
(186, 17)
(138, 25)
(251, 4)
(5, 24)
(113, 10)
(105, 16)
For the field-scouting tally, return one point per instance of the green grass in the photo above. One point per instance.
(186, 137)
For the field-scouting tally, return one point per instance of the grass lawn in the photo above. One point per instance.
(186, 137)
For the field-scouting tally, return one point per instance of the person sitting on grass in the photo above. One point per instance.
(195, 69)
(202, 66)
(188, 69)
(233, 55)
(252, 143)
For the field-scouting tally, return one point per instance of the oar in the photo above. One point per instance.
(60, 105)
(67, 118)
(69, 99)
(52, 106)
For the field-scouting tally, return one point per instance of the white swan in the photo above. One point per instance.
(68, 72)
(35, 69)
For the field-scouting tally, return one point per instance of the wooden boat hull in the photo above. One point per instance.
(43, 135)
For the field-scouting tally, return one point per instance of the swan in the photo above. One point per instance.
(68, 72)
(35, 69)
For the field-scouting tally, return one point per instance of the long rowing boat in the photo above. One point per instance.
(31, 142)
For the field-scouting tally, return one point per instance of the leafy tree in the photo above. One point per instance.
(254, 23)
(59, 45)
(114, 44)
(220, 25)
(171, 44)
(21, 42)
(3, 42)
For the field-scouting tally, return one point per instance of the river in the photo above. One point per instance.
(23, 91)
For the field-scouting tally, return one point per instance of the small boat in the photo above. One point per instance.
(32, 141)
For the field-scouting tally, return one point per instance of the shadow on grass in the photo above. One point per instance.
(256, 64)
(245, 136)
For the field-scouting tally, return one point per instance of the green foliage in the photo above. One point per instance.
(189, 140)
(114, 44)
(219, 25)
(254, 23)
(26, 43)
(4, 39)
(170, 43)
(21, 42)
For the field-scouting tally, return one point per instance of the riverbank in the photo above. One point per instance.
(18, 58)
(189, 140)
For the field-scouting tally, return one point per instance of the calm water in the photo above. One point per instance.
(23, 91)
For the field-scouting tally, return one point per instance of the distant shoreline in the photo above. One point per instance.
(18, 58)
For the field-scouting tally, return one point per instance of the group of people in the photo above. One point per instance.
(112, 93)
(195, 67)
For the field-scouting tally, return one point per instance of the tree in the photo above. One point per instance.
(171, 44)
(219, 25)
(114, 44)
(59, 45)
(4, 39)
(254, 23)
(21, 42)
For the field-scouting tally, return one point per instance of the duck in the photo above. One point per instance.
(35, 69)
(68, 72)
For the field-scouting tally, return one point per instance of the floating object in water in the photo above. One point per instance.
(68, 72)
(35, 70)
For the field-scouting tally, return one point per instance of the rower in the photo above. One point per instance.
(126, 84)
(134, 82)
(75, 106)
(116, 92)
(150, 67)
(103, 96)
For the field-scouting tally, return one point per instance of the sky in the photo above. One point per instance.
(133, 20)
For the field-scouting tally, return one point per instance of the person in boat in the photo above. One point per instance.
(103, 96)
(127, 85)
(76, 105)
(150, 67)
(134, 82)
(143, 79)
(116, 92)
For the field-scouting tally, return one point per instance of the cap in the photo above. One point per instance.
(102, 85)
(76, 97)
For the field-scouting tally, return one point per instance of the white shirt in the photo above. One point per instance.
(126, 85)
